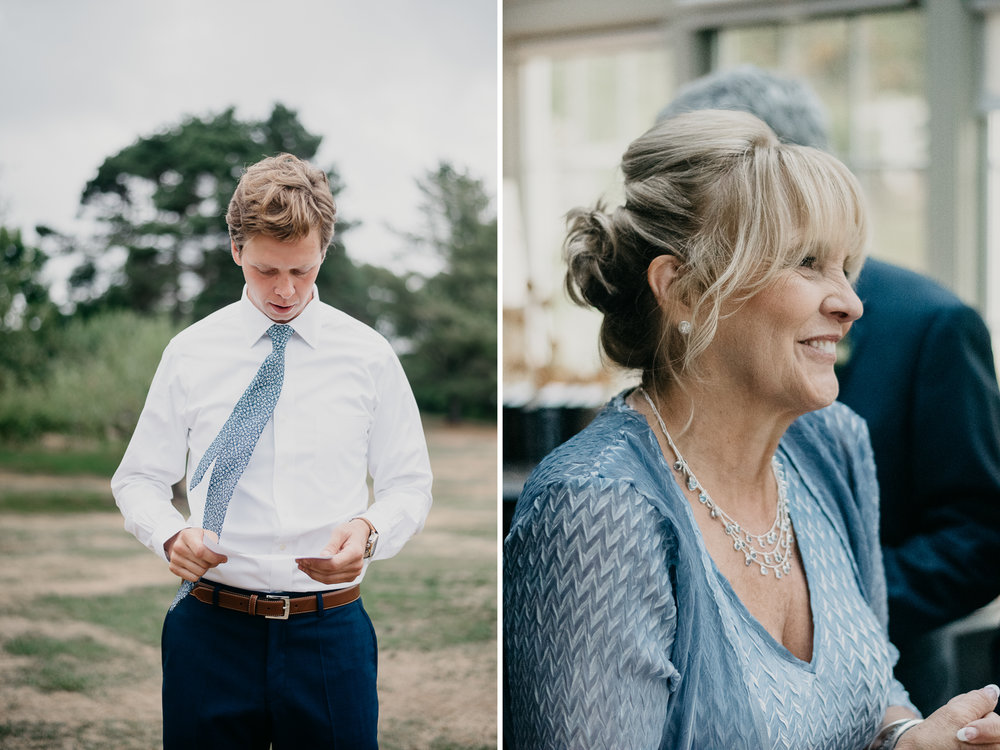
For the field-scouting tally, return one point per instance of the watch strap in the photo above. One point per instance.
(372, 538)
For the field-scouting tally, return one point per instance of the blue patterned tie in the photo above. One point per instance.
(233, 446)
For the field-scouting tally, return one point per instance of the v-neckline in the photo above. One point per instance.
(715, 573)
(744, 612)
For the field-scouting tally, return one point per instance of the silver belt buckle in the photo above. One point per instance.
(285, 610)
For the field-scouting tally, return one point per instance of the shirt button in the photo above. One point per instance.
(282, 547)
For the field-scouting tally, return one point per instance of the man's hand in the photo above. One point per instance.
(346, 548)
(189, 557)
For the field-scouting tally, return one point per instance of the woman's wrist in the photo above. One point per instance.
(889, 736)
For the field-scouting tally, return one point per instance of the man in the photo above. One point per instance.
(267, 643)
(919, 368)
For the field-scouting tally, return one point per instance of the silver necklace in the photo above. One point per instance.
(772, 550)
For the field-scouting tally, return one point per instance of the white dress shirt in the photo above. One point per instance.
(345, 411)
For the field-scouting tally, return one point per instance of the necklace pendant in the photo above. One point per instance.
(775, 545)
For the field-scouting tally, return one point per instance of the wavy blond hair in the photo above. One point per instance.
(736, 207)
(282, 197)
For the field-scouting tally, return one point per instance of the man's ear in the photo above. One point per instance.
(237, 254)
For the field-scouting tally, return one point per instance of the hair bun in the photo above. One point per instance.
(589, 252)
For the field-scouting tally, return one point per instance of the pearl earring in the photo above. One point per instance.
(684, 327)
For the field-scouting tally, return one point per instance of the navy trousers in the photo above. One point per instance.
(232, 680)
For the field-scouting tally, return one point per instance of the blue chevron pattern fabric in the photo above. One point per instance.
(232, 448)
(620, 631)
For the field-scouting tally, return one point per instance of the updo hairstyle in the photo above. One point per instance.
(736, 207)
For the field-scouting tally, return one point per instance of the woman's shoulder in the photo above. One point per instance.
(609, 450)
(604, 469)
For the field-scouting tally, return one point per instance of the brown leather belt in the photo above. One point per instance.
(272, 606)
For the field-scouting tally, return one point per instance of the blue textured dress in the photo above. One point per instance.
(621, 632)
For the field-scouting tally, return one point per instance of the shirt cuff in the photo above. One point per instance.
(162, 534)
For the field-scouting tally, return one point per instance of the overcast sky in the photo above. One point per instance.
(393, 86)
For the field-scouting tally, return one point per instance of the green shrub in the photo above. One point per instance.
(97, 384)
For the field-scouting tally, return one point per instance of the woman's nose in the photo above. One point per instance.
(843, 302)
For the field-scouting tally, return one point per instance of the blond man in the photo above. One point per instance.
(277, 408)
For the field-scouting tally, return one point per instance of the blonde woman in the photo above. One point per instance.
(700, 567)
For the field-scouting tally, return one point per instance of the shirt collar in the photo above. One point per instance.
(256, 323)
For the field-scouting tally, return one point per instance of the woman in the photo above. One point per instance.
(700, 567)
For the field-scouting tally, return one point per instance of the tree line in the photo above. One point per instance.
(159, 205)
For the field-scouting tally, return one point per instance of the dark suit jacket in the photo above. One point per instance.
(920, 370)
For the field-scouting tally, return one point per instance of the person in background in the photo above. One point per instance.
(267, 643)
(919, 367)
(700, 567)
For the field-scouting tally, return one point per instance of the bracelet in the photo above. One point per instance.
(889, 735)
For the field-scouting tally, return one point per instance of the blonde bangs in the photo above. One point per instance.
(738, 208)
(827, 210)
(774, 206)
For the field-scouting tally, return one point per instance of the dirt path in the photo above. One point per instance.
(21, 482)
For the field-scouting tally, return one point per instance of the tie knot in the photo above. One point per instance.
(280, 334)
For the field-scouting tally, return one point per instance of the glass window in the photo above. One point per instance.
(868, 70)
(579, 107)
(993, 225)
(991, 99)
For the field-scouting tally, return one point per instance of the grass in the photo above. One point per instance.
(429, 603)
(401, 731)
(440, 593)
(120, 735)
(78, 539)
(424, 599)
(32, 732)
(55, 501)
(136, 614)
(96, 459)
(61, 664)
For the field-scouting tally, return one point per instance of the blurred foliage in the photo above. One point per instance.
(160, 204)
(163, 201)
(26, 313)
(61, 457)
(451, 322)
(96, 385)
